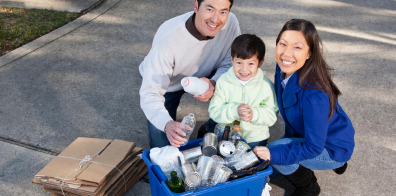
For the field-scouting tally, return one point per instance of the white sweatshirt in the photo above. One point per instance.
(175, 54)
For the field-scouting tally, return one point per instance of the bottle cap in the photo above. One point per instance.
(185, 82)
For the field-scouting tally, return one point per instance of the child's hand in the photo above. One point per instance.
(245, 112)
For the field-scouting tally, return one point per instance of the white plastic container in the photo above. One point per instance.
(167, 158)
(194, 85)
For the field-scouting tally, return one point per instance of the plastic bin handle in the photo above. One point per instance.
(158, 173)
(235, 174)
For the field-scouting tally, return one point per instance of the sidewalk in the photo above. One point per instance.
(22, 163)
(82, 80)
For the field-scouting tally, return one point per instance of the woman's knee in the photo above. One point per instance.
(285, 141)
(286, 169)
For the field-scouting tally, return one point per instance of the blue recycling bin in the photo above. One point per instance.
(249, 185)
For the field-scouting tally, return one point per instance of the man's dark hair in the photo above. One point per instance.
(246, 46)
(200, 1)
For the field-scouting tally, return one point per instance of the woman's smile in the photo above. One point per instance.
(292, 51)
(287, 63)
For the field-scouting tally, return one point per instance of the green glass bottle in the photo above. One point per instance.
(175, 184)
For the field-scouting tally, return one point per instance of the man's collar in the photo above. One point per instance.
(190, 25)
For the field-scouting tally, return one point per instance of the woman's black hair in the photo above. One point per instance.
(315, 73)
(246, 46)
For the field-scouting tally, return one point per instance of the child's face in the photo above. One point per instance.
(245, 69)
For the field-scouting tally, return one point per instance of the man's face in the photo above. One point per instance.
(211, 16)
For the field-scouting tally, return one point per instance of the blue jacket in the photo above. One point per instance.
(305, 113)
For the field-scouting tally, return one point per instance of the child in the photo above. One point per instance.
(243, 93)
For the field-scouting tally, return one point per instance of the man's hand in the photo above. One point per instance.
(173, 132)
(208, 94)
(245, 112)
(262, 152)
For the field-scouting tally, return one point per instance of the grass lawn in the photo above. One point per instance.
(20, 26)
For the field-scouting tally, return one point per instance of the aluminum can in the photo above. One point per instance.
(192, 179)
(223, 173)
(242, 147)
(202, 164)
(210, 170)
(226, 148)
(249, 160)
(192, 154)
(233, 160)
(209, 145)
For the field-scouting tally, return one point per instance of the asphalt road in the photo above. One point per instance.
(83, 81)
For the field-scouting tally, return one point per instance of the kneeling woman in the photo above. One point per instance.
(318, 133)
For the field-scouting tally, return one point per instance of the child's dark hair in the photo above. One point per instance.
(247, 45)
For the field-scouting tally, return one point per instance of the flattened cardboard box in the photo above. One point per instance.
(116, 177)
(141, 170)
(106, 152)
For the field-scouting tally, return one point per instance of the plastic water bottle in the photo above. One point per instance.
(194, 85)
(234, 135)
(219, 130)
(187, 126)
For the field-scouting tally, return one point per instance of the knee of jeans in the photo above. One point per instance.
(285, 141)
(210, 125)
(286, 169)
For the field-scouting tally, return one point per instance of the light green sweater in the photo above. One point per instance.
(259, 94)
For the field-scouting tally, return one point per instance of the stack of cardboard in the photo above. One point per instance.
(92, 166)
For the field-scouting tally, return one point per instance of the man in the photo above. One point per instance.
(193, 44)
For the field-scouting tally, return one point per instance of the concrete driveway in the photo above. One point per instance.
(82, 80)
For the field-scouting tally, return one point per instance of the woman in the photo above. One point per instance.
(318, 133)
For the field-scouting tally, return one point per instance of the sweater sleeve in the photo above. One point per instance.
(266, 113)
(219, 110)
(226, 63)
(315, 111)
(156, 70)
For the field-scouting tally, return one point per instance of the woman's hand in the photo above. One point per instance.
(262, 152)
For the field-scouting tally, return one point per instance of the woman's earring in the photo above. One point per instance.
(307, 58)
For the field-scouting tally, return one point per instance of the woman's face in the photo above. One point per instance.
(291, 52)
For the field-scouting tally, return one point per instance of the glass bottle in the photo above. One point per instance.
(226, 133)
(175, 184)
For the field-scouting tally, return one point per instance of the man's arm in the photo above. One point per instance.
(156, 70)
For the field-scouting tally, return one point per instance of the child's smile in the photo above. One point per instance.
(245, 69)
